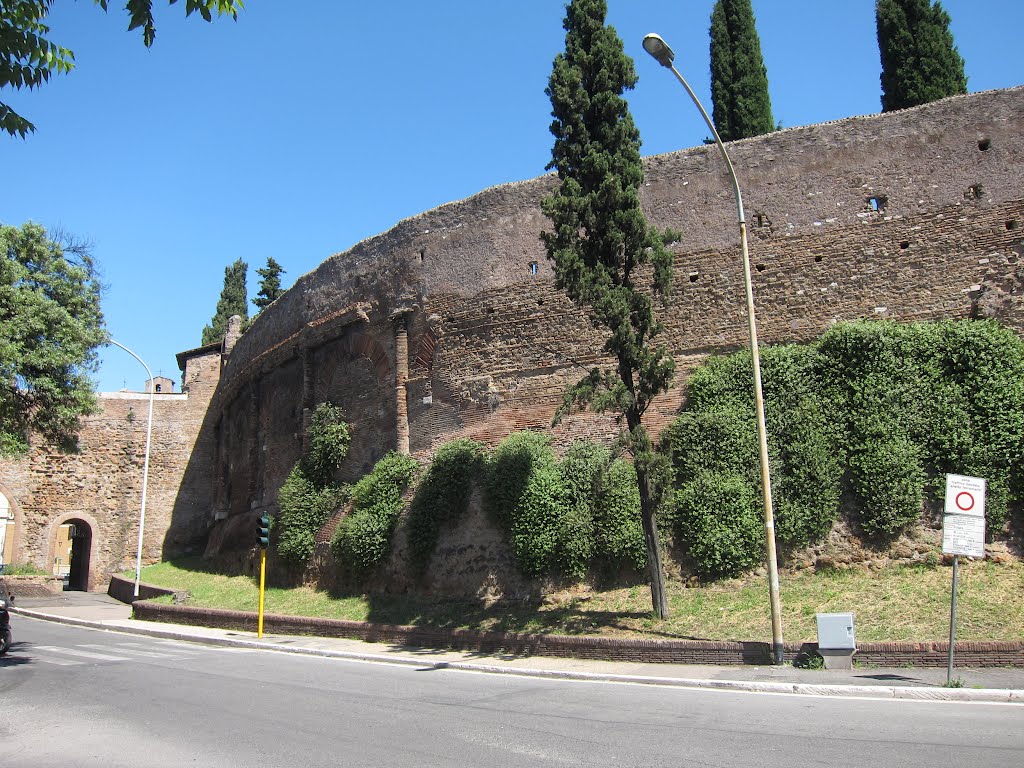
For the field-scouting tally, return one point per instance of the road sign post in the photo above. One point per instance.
(963, 533)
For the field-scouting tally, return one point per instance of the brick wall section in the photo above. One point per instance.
(968, 654)
(101, 483)
(909, 215)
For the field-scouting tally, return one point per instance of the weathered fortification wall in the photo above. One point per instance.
(909, 215)
(449, 324)
(99, 487)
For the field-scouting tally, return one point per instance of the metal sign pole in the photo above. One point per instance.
(963, 533)
(952, 624)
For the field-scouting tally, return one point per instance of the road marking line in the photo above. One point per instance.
(122, 649)
(58, 662)
(84, 654)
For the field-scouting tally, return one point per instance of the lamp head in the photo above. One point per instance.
(659, 49)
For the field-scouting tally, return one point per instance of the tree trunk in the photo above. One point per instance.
(657, 574)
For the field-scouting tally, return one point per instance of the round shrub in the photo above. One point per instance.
(538, 521)
(303, 508)
(442, 495)
(363, 538)
(508, 470)
(887, 478)
(619, 535)
(720, 523)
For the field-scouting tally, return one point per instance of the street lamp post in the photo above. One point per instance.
(145, 467)
(664, 55)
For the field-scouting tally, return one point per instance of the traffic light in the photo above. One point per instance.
(263, 531)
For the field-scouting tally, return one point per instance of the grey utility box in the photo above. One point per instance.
(836, 640)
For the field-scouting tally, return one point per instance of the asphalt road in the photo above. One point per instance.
(79, 697)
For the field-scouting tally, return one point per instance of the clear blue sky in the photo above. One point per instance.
(307, 126)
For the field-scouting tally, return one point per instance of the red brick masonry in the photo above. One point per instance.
(968, 654)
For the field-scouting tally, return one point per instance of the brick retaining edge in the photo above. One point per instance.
(123, 589)
(927, 654)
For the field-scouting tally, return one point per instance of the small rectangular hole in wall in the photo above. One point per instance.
(760, 220)
(1012, 224)
(817, 257)
(533, 267)
(984, 144)
(694, 276)
(760, 267)
(974, 192)
(877, 202)
(905, 244)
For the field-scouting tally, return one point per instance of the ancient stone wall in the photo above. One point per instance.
(909, 215)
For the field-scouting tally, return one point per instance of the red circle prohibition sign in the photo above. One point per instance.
(965, 501)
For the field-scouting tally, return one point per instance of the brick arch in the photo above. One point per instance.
(364, 344)
(96, 545)
(423, 358)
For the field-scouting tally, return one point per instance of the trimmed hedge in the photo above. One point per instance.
(874, 412)
(568, 518)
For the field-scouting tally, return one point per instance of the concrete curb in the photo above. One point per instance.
(983, 695)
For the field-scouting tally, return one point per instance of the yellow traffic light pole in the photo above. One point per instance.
(262, 541)
(263, 581)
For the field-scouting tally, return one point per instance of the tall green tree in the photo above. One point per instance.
(741, 106)
(50, 328)
(234, 300)
(601, 242)
(270, 284)
(28, 57)
(920, 62)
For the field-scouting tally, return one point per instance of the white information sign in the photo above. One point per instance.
(963, 525)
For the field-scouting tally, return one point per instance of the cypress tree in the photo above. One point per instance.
(234, 300)
(270, 284)
(920, 62)
(741, 106)
(601, 241)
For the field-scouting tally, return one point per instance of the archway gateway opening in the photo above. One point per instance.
(6, 531)
(72, 552)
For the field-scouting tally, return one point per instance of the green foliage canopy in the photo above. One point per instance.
(234, 300)
(50, 328)
(270, 284)
(329, 440)
(303, 507)
(920, 62)
(741, 106)
(28, 57)
(309, 494)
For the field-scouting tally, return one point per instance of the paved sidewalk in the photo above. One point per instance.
(994, 684)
